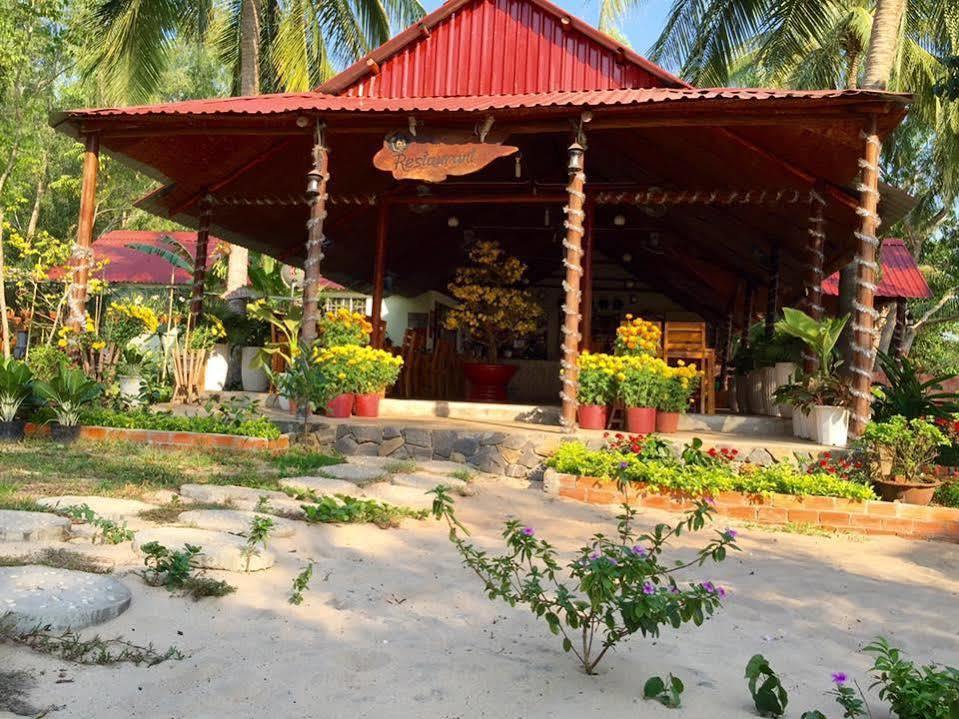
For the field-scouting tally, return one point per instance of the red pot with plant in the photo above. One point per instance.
(911, 447)
(641, 420)
(341, 406)
(667, 422)
(592, 416)
(367, 404)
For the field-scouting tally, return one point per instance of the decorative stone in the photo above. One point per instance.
(390, 445)
(62, 599)
(419, 437)
(398, 495)
(516, 471)
(488, 459)
(370, 461)
(426, 482)
(367, 433)
(18, 526)
(761, 457)
(443, 442)
(343, 430)
(529, 459)
(218, 550)
(346, 445)
(233, 521)
(510, 455)
(356, 473)
(367, 449)
(466, 446)
(515, 441)
(106, 507)
(391, 432)
(551, 481)
(420, 453)
(457, 457)
(239, 497)
(442, 467)
(488, 438)
(323, 486)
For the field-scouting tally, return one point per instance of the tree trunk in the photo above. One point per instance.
(883, 43)
(4, 322)
(38, 199)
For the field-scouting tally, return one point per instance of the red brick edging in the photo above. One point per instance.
(162, 438)
(868, 517)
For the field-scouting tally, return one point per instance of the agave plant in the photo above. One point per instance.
(16, 382)
(67, 394)
(908, 395)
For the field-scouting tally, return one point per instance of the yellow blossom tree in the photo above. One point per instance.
(495, 310)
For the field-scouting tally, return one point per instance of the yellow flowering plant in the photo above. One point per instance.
(352, 369)
(494, 310)
(636, 336)
(677, 387)
(127, 320)
(343, 327)
(599, 377)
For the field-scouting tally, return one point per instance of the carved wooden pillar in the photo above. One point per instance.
(747, 314)
(864, 316)
(199, 263)
(379, 270)
(82, 258)
(317, 179)
(589, 241)
(772, 290)
(813, 279)
(573, 244)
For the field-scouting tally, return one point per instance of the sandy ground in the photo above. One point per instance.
(393, 626)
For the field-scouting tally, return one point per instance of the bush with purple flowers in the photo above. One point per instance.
(614, 587)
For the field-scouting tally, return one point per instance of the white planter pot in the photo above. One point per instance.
(802, 424)
(831, 425)
(254, 379)
(733, 396)
(217, 364)
(769, 388)
(755, 380)
(283, 403)
(785, 374)
(130, 388)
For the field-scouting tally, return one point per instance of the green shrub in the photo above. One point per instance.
(166, 421)
(348, 510)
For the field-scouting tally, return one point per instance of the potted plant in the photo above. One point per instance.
(130, 375)
(830, 415)
(15, 388)
(252, 336)
(908, 448)
(286, 322)
(796, 395)
(337, 381)
(494, 311)
(639, 389)
(598, 377)
(377, 370)
(636, 336)
(676, 387)
(67, 394)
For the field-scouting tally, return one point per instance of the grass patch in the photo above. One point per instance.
(806, 529)
(200, 587)
(58, 559)
(14, 687)
(296, 462)
(401, 466)
(22, 504)
(464, 475)
(170, 512)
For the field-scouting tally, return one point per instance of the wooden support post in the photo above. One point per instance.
(379, 269)
(895, 347)
(589, 240)
(573, 244)
(726, 351)
(864, 316)
(813, 279)
(199, 264)
(82, 259)
(747, 314)
(772, 290)
(317, 179)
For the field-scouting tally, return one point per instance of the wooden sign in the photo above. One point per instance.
(434, 158)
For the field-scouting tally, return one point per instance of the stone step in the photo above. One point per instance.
(399, 495)
(218, 549)
(106, 507)
(227, 494)
(356, 473)
(427, 482)
(323, 486)
(19, 526)
(233, 521)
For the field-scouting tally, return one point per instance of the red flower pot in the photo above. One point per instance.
(667, 422)
(340, 407)
(487, 382)
(640, 420)
(367, 405)
(592, 416)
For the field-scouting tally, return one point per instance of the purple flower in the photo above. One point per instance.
(528, 531)
(594, 556)
(731, 534)
(639, 551)
(721, 592)
(623, 465)
(710, 500)
(674, 590)
(839, 677)
(709, 587)
(611, 561)
(648, 588)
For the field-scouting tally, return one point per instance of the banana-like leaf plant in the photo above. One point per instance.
(16, 385)
(820, 336)
(67, 394)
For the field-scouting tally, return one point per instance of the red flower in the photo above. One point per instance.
(823, 463)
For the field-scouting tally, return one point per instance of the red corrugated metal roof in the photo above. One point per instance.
(901, 278)
(314, 102)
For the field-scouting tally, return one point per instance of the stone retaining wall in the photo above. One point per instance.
(870, 517)
(161, 438)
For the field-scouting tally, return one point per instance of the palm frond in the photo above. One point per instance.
(173, 252)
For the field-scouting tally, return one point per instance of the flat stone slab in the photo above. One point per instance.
(426, 482)
(443, 467)
(233, 521)
(18, 526)
(239, 497)
(368, 461)
(398, 495)
(218, 549)
(106, 507)
(356, 473)
(323, 486)
(61, 598)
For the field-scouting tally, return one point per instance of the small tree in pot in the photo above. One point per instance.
(494, 311)
(902, 452)
(15, 388)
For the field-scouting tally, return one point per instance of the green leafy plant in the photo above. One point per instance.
(911, 445)
(620, 585)
(928, 692)
(341, 509)
(16, 386)
(47, 362)
(301, 582)
(666, 691)
(820, 336)
(109, 532)
(68, 393)
(906, 394)
(171, 568)
(766, 689)
(215, 423)
(256, 536)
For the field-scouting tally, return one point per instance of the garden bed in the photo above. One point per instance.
(165, 438)
(865, 517)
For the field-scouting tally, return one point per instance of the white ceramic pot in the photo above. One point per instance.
(130, 388)
(769, 389)
(733, 397)
(254, 379)
(217, 364)
(283, 403)
(831, 425)
(785, 374)
(755, 380)
(802, 424)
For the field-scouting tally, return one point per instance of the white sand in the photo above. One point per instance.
(394, 627)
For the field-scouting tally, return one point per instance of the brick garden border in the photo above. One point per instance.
(866, 517)
(163, 438)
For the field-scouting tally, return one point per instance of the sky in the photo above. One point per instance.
(641, 27)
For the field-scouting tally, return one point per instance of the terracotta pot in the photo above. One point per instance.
(899, 490)
(340, 407)
(640, 420)
(63, 433)
(592, 416)
(667, 422)
(367, 405)
(487, 382)
(12, 431)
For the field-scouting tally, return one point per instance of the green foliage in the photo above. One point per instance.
(620, 585)
(820, 336)
(928, 692)
(947, 495)
(767, 691)
(168, 567)
(15, 387)
(301, 582)
(167, 421)
(911, 444)
(47, 362)
(110, 532)
(342, 509)
(907, 395)
(298, 462)
(68, 393)
(256, 535)
(666, 691)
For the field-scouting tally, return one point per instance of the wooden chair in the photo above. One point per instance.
(687, 341)
(414, 340)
